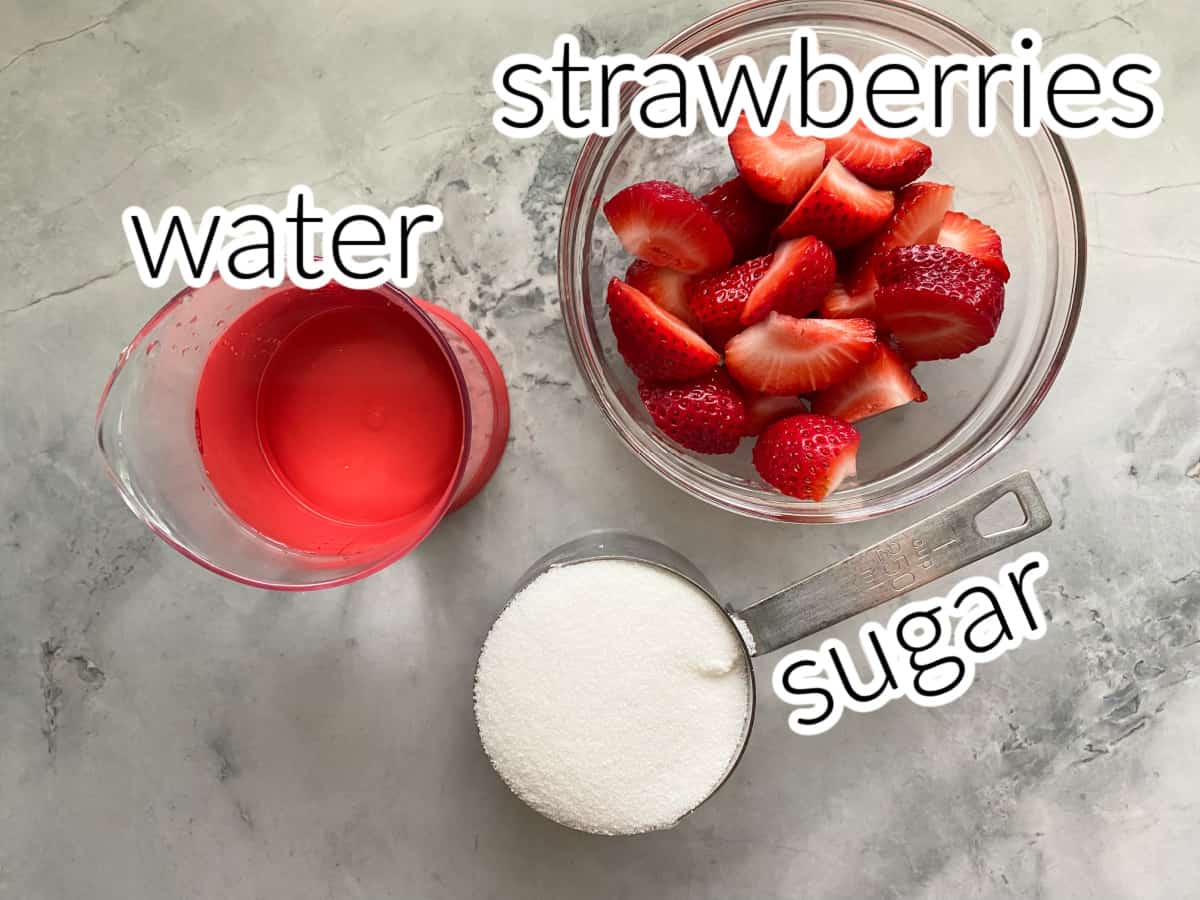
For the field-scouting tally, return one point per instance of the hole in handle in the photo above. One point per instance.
(1002, 515)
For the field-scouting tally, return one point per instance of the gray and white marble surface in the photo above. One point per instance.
(167, 734)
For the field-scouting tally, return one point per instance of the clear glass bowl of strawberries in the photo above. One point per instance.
(818, 330)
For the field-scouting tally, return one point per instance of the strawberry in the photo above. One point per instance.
(938, 302)
(666, 287)
(920, 209)
(807, 456)
(881, 383)
(717, 300)
(784, 355)
(748, 220)
(780, 167)
(763, 409)
(838, 304)
(656, 345)
(800, 275)
(707, 415)
(880, 161)
(889, 340)
(665, 225)
(971, 236)
(838, 208)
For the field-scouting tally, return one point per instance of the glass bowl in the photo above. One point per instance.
(1023, 187)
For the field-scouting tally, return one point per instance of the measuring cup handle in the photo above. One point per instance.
(934, 547)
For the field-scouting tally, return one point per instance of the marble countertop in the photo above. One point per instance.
(166, 734)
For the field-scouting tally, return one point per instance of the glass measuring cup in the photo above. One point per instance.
(149, 431)
(918, 555)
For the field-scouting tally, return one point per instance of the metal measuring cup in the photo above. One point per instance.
(936, 546)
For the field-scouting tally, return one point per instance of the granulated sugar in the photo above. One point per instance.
(612, 696)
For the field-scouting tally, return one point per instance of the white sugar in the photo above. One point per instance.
(612, 696)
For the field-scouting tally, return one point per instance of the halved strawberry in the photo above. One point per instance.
(763, 409)
(780, 167)
(969, 235)
(839, 209)
(807, 456)
(663, 224)
(938, 302)
(881, 383)
(881, 162)
(920, 209)
(784, 355)
(800, 275)
(748, 220)
(666, 287)
(717, 300)
(706, 415)
(657, 345)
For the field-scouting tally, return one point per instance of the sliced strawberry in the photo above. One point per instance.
(920, 209)
(748, 220)
(889, 340)
(800, 275)
(707, 415)
(881, 162)
(784, 355)
(881, 383)
(780, 167)
(657, 345)
(717, 300)
(807, 456)
(969, 235)
(666, 287)
(665, 225)
(838, 304)
(938, 302)
(763, 409)
(839, 209)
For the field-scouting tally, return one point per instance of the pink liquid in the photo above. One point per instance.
(331, 421)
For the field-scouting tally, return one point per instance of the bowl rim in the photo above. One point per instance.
(573, 208)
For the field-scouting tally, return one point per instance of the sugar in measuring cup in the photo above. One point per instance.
(614, 693)
(296, 439)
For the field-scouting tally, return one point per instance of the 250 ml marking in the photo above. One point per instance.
(927, 652)
(892, 564)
